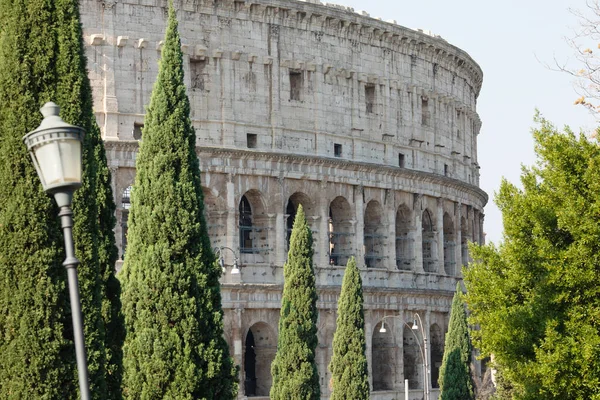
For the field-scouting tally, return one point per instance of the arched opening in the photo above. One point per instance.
(246, 227)
(464, 241)
(449, 246)
(437, 353)
(404, 244)
(290, 211)
(383, 352)
(260, 348)
(413, 359)
(428, 242)
(253, 228)
(373, 235)
(341, 232)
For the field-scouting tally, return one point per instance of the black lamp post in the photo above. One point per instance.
(55, 148)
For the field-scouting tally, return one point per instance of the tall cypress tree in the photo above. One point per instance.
(349, 370)
(455, 374)
(174, 346)
(93, 207)
(42, 59)
(294, 370)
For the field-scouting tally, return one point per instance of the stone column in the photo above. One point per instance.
(233, 237)
(458, 240)
(418, 234)
(359, 229)
(439, 223)
(389, 250)
(236, 336)
(369, 347)
(323, 207)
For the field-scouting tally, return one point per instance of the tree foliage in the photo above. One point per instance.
(349, 370)
(455, 373)
(536, 297)
(174, 347)
(42, 59)
(294, 369)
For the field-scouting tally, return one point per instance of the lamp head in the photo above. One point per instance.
(235, 270)
(382, 329)
(415, 326)
(56, 150)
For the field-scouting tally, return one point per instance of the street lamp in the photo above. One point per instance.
(55, 148)
(423, 349)
(219, 252)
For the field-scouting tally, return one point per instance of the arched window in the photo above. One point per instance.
(413, 364)
(246, 245)
(373, 236)
(341, 232)
(437, 353)
(449, 246)
(294, 202)
(404, 244)
(428, 243)
(260, 348)
(383, 354)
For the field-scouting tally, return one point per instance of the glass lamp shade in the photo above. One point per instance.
(55, 148)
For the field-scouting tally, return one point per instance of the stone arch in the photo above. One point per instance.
(449, 246)
(259, 352)
(428, 242)
(437, 353)
(341, 231)
(290, 211)
(464, 241)
(413, 359)
(373, 235)
(404, 244)
(383, 357)
(253, 227)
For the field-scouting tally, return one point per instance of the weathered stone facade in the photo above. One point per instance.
(372, 127)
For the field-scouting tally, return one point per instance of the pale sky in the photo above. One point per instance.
(504, 38)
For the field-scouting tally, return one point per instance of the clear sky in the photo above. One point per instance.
(506, 38)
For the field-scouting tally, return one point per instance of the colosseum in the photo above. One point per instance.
(371, 126)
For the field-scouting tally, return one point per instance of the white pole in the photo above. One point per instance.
(406, 389)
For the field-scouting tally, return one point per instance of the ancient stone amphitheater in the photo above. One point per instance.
(371, 126)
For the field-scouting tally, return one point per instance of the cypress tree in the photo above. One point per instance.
(93, 208)
(174, 346)
(455, 374)
(349, 370)
(42, 59)
(294, 370)
(36, 359)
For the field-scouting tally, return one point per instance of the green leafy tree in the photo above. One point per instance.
(536, 297)
(174, 346)
(42, 59)
(294, 370)
(93, 208)
(349, 370)
(455, 373)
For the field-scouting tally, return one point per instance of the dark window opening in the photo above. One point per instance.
(290, 210)
(337, 149)
(251, 139)
(295, 84)
(446, 169)
(137, 131)
(250, 366)
(245, 226)
(198, 74)
(401, 160)
(370, 98)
